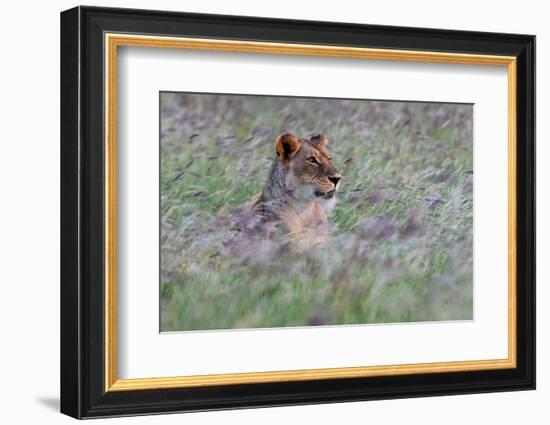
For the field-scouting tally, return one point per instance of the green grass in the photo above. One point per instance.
(401, 245)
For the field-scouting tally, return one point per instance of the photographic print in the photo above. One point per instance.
(288, 211)
(320, 228)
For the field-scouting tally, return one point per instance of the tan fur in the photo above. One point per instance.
(300, 188)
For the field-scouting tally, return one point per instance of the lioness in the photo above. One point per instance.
(301, 186)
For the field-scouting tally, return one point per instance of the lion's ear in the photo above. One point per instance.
(286, 145)
(320, 140)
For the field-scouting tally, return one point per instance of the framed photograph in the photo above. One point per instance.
(261, 212)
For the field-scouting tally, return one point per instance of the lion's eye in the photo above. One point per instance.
(312, 160)
(330, 158)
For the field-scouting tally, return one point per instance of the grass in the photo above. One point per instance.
(401, 245)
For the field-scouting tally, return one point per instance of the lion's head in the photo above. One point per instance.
(309, 173)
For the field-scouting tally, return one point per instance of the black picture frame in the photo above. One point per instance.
(83, 392)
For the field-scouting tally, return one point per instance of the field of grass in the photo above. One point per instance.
(402, 230)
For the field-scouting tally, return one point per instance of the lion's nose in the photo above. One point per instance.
(334, 179)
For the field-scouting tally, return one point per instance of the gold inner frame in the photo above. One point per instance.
(113, 41)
